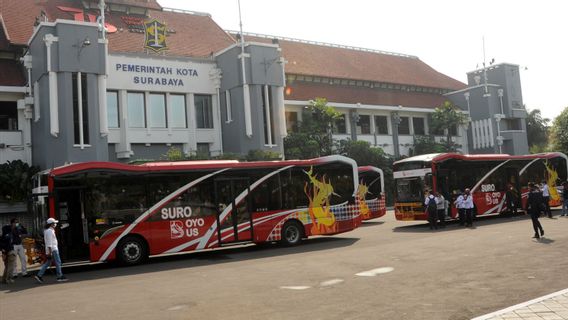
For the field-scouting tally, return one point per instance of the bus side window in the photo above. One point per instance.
(267, 196)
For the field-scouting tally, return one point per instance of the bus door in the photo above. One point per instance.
(237, 224)
(512, 175)
(70, 212)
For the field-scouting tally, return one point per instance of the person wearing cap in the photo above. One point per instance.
(51, 251)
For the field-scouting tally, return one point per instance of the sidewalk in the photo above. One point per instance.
(550, 307)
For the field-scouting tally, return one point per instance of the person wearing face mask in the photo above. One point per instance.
(8, 254)
(17, 232)
(51, 251)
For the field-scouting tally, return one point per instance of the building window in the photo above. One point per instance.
(203, 112)
(381, 125)
(513, 124)
(454, 130)
(136, 116)
(112, 109)
(178, 111)
(418, 125)
(267, 114)
(8, 116)
(80, 109)
(404, 126)
(339, 126)
(157, 110)
(203, 150)
(291, 121)
(364, 124)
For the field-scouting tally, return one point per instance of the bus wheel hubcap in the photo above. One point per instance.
(292, 234)
(131, 251)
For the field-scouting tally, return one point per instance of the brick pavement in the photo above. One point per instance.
(550, 307)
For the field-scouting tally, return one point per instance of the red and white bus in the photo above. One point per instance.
(371, 194)
(487, 175)
(113, 211)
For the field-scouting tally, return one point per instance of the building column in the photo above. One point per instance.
(123, 148)
(395, 120)
(353, 119)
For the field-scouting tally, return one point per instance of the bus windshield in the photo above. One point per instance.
(409, 190)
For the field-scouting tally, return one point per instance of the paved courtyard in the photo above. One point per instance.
(384, 270)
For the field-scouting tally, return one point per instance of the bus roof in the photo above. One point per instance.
(440, 157)
(370, 168)
(190, 165)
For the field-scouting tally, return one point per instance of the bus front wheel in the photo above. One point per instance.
(132, 250)
(292, 233)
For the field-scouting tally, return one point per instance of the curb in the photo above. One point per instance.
(521, 305)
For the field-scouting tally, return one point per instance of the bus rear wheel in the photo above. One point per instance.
(132, 250)
(292, 233)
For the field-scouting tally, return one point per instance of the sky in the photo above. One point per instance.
(447, 35)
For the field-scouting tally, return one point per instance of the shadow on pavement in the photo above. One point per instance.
(371, 223)
(479, 222)
(92, 271)
(545, 241)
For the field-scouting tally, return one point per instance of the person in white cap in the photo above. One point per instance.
(51, 252)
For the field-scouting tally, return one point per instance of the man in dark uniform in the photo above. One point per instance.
(565, 199)
(534, 206)
(511, 197)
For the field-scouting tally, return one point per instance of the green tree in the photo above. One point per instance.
(313, 137)
(262, 155)
(445, 117)
(427, 144)
(559, 132)
(175, 154)
(15, 180)
(537, 131)
(365, 155)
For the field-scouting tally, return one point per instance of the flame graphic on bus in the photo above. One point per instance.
(551, 181)
(323, 220)
(363, 207)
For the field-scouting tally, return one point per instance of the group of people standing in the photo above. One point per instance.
(12, 247)
(438, 207)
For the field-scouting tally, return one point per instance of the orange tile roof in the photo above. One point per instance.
(358, 64)
(304, 91)
(150, 4)
(19, 18)
(195, 35)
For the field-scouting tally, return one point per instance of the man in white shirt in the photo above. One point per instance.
(467, 204)
(546, 199)
(441, 205)
(459, 205)
(51, 252)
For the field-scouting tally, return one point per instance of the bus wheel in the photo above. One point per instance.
(132, 250)
(292, 233)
